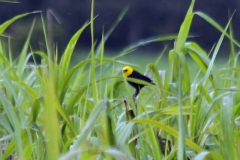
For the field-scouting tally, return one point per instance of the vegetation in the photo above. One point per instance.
(52, 111)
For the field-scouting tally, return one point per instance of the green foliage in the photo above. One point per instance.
(51, 110)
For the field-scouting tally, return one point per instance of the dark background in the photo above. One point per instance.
(144, 19)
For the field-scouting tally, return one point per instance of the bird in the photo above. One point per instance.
(128, 72)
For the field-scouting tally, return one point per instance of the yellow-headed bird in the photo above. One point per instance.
(129, 72)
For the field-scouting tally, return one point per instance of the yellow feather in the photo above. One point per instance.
(127, 71)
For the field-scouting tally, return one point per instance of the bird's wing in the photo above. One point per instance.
(140, 76)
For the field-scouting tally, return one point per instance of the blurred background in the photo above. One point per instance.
(144, 19)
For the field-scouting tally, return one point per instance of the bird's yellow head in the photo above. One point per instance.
(127, 71)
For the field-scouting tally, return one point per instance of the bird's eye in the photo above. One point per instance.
(125, 70)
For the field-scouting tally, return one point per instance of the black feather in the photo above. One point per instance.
(139, 76)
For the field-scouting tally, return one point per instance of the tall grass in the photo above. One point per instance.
(53, 111)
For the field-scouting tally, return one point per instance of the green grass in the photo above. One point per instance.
(80, 107)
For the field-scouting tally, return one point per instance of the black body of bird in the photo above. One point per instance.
(129, 72)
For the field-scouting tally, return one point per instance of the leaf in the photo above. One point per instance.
(9, 22)
(169, 130)
(23, 59)
(209, 155)
(87, 129)
(216, 25)
(183, 33)
(186, 75)
(66, 57)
